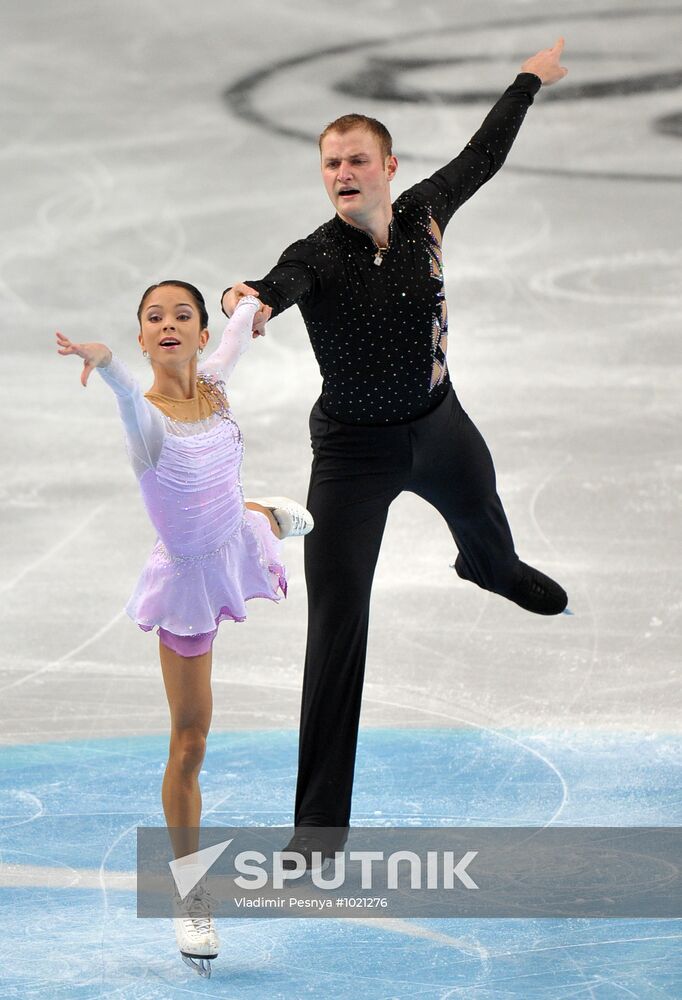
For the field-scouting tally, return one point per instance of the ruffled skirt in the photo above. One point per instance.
(190, 595)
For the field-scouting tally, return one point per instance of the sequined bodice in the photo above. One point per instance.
(193, 495)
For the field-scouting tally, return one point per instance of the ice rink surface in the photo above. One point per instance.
(145, 141)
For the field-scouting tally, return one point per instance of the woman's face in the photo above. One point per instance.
(170, 326)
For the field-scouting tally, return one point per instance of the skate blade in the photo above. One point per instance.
(202, 967)
(317, 869)
(567, 611)
(327, 863)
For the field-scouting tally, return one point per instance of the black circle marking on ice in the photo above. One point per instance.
(670, 124)
(379, 82)
(239, 96)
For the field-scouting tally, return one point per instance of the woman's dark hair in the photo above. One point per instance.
(194, 292)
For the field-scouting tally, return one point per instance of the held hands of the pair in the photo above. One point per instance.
(545, 64)
(232, 297)
(93, 355)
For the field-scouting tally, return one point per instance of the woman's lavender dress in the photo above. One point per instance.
(212, 553)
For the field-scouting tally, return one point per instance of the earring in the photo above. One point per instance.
(201, 350)
(144, 354)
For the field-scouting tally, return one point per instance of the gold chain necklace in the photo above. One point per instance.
(380, 251)
(379, 256)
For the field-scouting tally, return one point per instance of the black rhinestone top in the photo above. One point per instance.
(378, 322)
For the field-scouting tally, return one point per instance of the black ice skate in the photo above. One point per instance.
(315, 853)
(536, 592)
(530, 589)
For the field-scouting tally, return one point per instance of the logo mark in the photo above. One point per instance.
(191, 868)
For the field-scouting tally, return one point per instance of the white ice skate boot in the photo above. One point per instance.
(194, 929)
(292, 517)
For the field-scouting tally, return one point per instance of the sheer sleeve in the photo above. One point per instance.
(235, 340)
(142, 421)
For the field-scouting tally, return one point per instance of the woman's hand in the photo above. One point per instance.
(232, 297)
(93, 355)
(545, 64)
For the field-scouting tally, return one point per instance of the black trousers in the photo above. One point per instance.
(356, 473)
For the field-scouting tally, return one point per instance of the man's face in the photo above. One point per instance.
(355, 173)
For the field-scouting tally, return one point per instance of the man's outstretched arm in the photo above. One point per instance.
(487, 150)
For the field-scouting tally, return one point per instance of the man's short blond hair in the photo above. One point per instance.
(346, 123)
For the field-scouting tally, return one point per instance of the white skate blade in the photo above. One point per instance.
(202, 967)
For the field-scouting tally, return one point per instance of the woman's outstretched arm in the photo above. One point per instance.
(234, 341)
(143, 423)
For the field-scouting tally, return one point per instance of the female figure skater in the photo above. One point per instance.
(214, 550)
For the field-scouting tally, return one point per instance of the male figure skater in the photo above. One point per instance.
(369, 285)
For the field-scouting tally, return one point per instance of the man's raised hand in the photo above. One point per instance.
(93, 355)
(545, 64)
(232, 297)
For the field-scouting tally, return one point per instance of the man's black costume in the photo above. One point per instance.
(388, 420)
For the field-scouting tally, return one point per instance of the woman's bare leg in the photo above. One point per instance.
(268, 513)
(188, 688)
